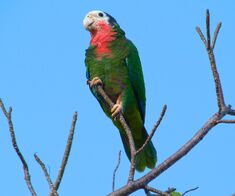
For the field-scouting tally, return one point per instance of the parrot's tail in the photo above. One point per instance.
(147, 157)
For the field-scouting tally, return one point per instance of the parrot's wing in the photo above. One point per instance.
(136, 77)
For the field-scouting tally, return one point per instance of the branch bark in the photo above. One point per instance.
(66, 152)
(190, 190)
(54, 187)
(17, 150)
(210, 51)
(47, 176)
(115, 170)
(153, 130)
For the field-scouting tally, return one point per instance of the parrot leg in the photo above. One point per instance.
(94, 82)
(117, 108)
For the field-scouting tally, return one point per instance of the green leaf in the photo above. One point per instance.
(176, 194)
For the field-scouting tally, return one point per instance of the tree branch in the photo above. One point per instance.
(17, 150)
(148, 189)
(207, 43)
(115, 170)
(231, 112)
(208, 34)
(189, 191)
(201, 36)
(66, 153)
(51, 186)
(226, 121)
(143, 181)
(215, 35)
(153, 130)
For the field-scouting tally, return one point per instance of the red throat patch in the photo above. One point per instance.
(101, 38)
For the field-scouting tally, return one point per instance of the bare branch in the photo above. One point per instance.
(66, 153)
(153, 130)
(143, 181)
(115, 170)
(189, 191)
(208, 34)
(231, 112)
(226, 121)
(17, 150)
(215, 35)
(45, 172)
(218, 86)
(170, 190)
(201, 36)
(153, 190)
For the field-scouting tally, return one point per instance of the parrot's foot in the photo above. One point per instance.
(94, 82)
(116, 110)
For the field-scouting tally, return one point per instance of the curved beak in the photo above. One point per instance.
(88, 22)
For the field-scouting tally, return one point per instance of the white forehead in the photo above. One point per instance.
(96, 13)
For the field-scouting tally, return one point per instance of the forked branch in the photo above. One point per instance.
(17, 150)
(53, 187)
(210, 50)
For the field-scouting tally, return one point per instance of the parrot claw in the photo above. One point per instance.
(94, 82)
(116, 110)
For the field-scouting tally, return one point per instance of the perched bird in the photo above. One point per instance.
(113, 60)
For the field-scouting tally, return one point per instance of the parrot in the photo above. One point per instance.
(113, 61)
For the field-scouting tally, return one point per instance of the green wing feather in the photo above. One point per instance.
(136, 77)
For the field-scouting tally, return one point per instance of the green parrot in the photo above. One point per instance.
(113, 61)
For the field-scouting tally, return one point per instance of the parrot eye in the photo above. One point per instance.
(101, 14)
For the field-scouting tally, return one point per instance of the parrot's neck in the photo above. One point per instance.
(101, 39)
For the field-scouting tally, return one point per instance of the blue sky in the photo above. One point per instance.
(42, 45)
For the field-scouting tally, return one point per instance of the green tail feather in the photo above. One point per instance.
(147, 157)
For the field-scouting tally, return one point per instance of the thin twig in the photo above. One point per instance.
(153, 130)
(45, 172)
(170, 190)
(66, 153)
(231, 112)
(115, 170)
(201, 36)
(208, 34)
(190, 190)
(218, 86)
(122, 120)
(226, 121)
(132, 147)
(153, 190)
(216, 35)
(17, 150)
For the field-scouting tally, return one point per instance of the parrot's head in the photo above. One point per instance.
(96, 20)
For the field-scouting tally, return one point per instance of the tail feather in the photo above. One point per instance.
(147, 157)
